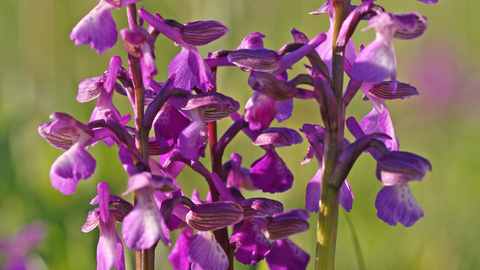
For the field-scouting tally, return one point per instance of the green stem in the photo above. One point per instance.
(329, 201)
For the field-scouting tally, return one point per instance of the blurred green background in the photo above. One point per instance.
(40, 69)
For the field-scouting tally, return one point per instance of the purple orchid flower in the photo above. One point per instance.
(98, 28)
(76, 163)
(203, 250)
(202, 108)
(252, 245)
(178, 257)
(169, 124)
(394, 202)
(235, 175)
(324, 50)
(15, 249)
(251, 56)
(259, 115)
(260, 110)
(190, 68)
(377, 61)
(286, 255)
(110, 247)
(206, 253)
(144, 225)
(102, 88)
(279, 227)
(270, 173)
(315, 135)
(139, 43)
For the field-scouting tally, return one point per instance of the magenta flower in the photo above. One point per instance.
(251, 56)
(395, 202)
(202, 108)
(110, 247)
(178, 257)
(260, 111)
(270, 173)
(190, 68)
(324, 50)
(252, 245)
(140, 44)
(98, 28)
(102, 88)
(76, 163)
(377, 61)
(168, 125)
(315, 135)
(144, 225)
(237, 176)
(286, 255)
(206, 253)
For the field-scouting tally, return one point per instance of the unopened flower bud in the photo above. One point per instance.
(202, 32)
(214, 216)
(136, 40)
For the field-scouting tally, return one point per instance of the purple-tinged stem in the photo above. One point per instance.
(329, 203)
(228, 136)
(145, 259)
(216, 158)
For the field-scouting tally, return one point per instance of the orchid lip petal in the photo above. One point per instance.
(397, 204)
(144, 225)
(252, 245)
(70, 168)
(271, 174)
(206, 253)
(287, 255)
(97, 28)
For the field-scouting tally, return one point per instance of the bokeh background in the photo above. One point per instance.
(40, 69)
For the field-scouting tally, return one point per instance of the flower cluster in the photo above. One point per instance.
(182, 112)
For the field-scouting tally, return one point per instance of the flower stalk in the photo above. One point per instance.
(334, 134)
(144, 259)
(216, 158)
